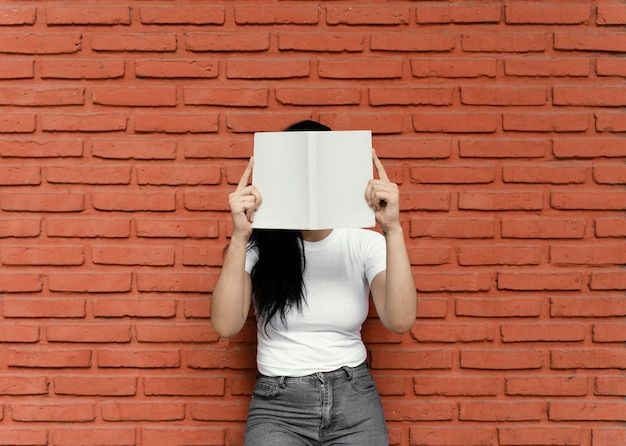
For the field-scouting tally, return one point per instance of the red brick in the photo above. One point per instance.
(88, 175)
(239, 358)
(54, 412)
(545, 122)
(227, 97)
(268, 68)
(411, 359)
(134, 149)
(608, 280)
(604, 436)
(378, 123)
(458, 14)
(587, 411)
(613, 200)
(451, 436)
(17, 123)
(609, 174)
(102, 333)
(20, 282)
(361, 68)
(501, 201)
(588, 306)
(33, 148)
(455, 122)
(221, 42)
(17, 69)
(133, 201)
(169, 333)
(169, 69)
(609, 122)
(220, 411)
(38, 97)
(588, 148)
(504, 96)
(21, 436)
(82, 69)
(523, 14)
(453, 281)
(367, 15)
(90, 282)
(122, 436)
(140, 307)
(40, 43)
(589, 41)
(429, 255)
(609, 333)
(139, 42)
(537, 281)
(326, 42)
(111, 386)
(43, 308)
(584, 254)
(544, 174)
(500, 411)
(55, 359)
(188, 436)
(142, 411)
(88, 122)
(44, 202)
(41, 255)
(318, 96)
(18, 15)
(480, 307)
(589, 96)
(476, 174)
(547, 386)
(539, 436)
(19, 333)
(503, 42)
(610, 386)
(498, 255)
(181, 385)
(182, 15)
(540, 67)
(172, 228)
(454, 68)
(610, 67)
(518, 359)
(402, 410)
(545, 228)
(412, 42)
(138, 358)
(88, 16)
(452, 228)
(276, 14)
(456, 386)
(542, 332)
(175, 176)
(23, 385)
(610, 227)
(178, 123)
(176, 282)
(19, 228)
(605, 358)
(134, 96)
(86, 227)
(20, 175)
(611, 15)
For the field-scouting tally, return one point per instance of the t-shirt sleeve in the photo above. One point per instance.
(374, 253)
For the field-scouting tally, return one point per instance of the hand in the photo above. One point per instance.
(243, 202)
(384, 197)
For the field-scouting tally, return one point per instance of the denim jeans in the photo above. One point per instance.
(341, 407)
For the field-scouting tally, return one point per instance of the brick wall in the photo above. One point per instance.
(123, 126)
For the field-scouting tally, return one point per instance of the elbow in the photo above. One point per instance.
(224, 330)
(401, 327)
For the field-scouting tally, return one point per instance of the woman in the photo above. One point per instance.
(310, 293)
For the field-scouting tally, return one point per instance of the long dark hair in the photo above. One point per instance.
(277, 276)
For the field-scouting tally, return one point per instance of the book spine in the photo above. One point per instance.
(312, 162)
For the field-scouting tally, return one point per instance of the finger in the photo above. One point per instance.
(382, 174)
(245, 177)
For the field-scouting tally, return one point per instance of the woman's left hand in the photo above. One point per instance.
(384, 197)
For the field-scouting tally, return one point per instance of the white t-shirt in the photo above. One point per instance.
(326, 334)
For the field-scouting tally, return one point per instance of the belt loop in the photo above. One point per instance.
(349, 372)
(281, 382)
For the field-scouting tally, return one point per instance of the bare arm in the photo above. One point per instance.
(230, 302)
(393, 290)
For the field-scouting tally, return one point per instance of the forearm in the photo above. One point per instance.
(230, 301)
(400, 296)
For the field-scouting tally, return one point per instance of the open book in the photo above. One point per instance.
(313, 180)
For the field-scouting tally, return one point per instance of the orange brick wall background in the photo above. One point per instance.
(124, 125)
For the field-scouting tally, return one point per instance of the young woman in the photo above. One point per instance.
(310, 290)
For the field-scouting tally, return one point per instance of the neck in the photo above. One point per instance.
(315, 235)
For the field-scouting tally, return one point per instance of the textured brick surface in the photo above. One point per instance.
(124, 125)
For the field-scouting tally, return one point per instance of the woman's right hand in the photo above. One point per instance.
(243, 202)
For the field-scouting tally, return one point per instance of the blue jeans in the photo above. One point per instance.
(341, 407)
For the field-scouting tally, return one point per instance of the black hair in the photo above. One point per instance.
(278, 275)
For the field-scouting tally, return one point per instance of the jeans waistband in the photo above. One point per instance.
(342, 371)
